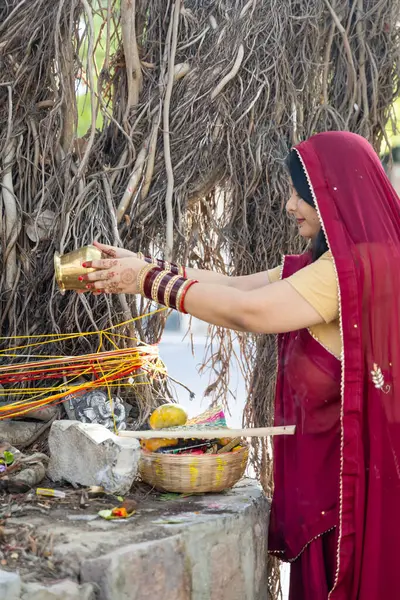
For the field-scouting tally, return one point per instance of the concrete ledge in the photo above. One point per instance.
(211, 547)
(144, 570)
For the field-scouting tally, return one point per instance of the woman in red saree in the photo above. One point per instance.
(335, 512)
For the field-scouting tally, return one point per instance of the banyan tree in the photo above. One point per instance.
(193, 105)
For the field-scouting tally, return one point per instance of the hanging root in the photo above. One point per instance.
(231, 75)
(150, 160)
(132, 184)
(12, 223)
(169, 241)
(132, 61)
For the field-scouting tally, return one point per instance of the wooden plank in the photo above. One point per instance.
(208, 434)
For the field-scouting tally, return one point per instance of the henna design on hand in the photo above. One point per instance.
(128, 276)
(113, 288)
(104, 275)
(108, 264)
(107, 253)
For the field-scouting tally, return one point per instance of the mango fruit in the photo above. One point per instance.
(155, 443)
(224, 441)
(168, 415)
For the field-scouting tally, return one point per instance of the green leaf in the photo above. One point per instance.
(108, 515)
(8, 457)
(105, 514)
(169, 496)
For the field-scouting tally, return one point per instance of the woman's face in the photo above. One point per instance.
(306, 216)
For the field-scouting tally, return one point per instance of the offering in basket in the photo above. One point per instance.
(192, 465)
(68, 267)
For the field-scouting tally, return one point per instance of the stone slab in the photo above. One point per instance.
(19, 433)
(218, 551)
(89, 454)
(147, 571)
(210, 547)
(64, 590)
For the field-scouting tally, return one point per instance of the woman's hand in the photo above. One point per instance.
(113, 275)
(113, 251)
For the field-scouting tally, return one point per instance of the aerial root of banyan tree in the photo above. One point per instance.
(200, 100)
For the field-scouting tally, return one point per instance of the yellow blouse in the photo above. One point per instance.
(317, 284)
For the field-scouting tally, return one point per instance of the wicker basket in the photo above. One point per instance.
(187, 473)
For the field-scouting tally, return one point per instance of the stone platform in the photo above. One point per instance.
(211, 547)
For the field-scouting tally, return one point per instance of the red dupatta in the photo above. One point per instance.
(360, 214)
(306, 465)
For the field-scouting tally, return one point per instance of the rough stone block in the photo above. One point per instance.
(147, 571)
(211, 547)
(19, 433)
(64, 590)
(10, 585)
(227, 555)
(216, 549)
(226, 574)
(90, 454)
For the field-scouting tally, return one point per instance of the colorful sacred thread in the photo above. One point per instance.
(106, 368)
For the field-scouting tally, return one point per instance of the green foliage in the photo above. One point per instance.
(100, 36)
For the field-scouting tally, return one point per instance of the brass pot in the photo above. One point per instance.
(68, 267)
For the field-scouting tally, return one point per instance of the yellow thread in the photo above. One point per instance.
(58, 337)
(109, 399)
(118, 364)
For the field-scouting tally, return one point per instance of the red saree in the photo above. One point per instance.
(342, 468)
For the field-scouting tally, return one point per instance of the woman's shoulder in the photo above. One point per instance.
(317, 283)
(326, 256)
(322, 267)
(303, 265)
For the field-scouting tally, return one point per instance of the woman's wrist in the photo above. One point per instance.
(164, 287)
(164, 265)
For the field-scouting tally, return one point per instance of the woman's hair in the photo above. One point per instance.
(301, 185)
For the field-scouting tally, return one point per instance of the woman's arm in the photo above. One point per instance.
(275, 308)
(246, 282)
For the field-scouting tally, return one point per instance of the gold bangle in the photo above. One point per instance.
(148, 259)
(180, 292)
(141, 278)
(156, 285)
(181, 270)
(168, 289)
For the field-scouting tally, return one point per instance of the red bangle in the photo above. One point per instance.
(164, 287)
(181, 306)
(164, 265)
(149, 280)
